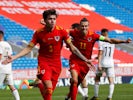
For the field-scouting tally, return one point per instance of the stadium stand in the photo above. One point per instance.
(15, 33)
(25, 63)
(122, 11)
(112, 9)
(14, 30)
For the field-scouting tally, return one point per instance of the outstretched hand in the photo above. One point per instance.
(129, 40)
(91, 65)
(8, 60)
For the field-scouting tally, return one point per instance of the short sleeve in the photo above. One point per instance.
(66, 36)
(34, 39)
(96, 36)
(100, 45)
(11, 51)
(1, 49)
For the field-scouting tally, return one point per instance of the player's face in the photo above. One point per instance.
(50, 21)
(84, 26)
(105, 34)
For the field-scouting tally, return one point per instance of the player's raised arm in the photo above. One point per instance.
(117, 41)
(24, 52)
(104, 37)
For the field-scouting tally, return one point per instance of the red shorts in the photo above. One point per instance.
(81, 68)
(48, 72)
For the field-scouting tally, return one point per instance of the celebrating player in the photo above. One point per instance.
(50, 39)
(84, 40)
(83, 88)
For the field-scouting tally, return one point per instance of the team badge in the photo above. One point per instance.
(89, 39)
(57, 38)
(42, 71)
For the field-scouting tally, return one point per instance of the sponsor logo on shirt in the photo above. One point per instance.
(50, 38)
(57, 38)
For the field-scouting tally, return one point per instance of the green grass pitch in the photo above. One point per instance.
(122, 92)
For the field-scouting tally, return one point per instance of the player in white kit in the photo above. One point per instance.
(105, 64)
(6, 70)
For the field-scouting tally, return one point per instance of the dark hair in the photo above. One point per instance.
(84, 20)
(48, 12)
(104, 30)
(1, 32)
(75, 25)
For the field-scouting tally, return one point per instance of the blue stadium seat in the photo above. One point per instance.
(115, 8)
(13, 29)
(24, 63)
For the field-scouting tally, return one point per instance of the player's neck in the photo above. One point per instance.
(84, 34)
(49, 29)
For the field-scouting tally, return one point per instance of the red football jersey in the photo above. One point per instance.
(50, 43)
(83, 43)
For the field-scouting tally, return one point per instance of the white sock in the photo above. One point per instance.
(85, 91)
(96, 89)
(16, 94)
(80, 90)
(111, 90)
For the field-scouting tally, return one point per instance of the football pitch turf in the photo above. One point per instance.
(122, 92)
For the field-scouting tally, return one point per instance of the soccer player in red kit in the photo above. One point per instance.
(50, 39)
(84, 40)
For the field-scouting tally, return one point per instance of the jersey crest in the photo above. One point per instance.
(89, 39)
(57, 38)
(42, 71)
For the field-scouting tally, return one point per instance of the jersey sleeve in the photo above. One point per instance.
(96, 36)
(1, 49)
(66, 36)
(34, 39)
(100, 45)
(10, 51)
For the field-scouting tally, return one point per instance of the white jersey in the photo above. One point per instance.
(5, 50)
(108, 52)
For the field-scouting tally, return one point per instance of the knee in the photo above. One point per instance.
(12, 88)
(74, 81)
(48, 84)
(48, 91)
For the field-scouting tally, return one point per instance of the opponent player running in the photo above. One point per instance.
(50, 39)
(84, 40)
(105, 64)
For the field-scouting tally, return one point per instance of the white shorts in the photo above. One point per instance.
(109, 72)
(6, 79)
